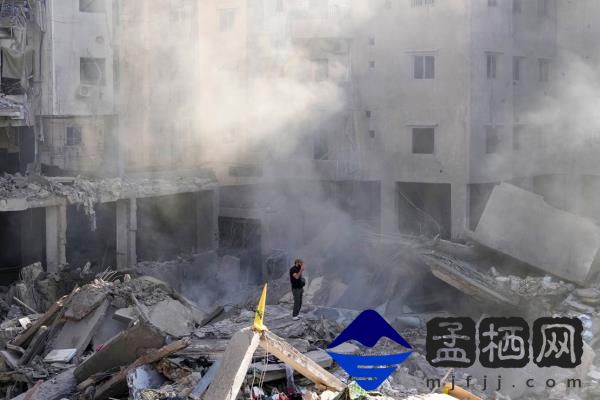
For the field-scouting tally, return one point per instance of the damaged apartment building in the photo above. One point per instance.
(76, 185)
(442, 102)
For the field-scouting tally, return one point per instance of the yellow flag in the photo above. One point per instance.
(260, 311)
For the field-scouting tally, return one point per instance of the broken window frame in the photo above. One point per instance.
(423, 140)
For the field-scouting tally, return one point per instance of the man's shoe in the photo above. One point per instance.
(295, 318)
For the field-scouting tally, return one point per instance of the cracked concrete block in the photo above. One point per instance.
(172, 317)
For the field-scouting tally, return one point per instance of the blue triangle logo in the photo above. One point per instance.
(369, 372)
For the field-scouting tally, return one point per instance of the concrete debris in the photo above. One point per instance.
(511, 224)
(119, 338)
(18, 193)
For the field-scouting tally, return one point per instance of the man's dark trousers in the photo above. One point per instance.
(297, 293)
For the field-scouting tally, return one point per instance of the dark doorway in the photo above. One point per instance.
(241, 237)
(22, 242)
(99, 247)
(424, 208)
(166, 227)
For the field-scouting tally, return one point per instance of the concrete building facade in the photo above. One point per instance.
(83, 85)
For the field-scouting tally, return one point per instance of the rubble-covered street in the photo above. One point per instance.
(299, 200)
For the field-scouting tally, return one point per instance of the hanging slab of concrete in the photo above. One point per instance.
(78, 334)
(236, 360)
(522, 225)
(60, 387)
(121, 350)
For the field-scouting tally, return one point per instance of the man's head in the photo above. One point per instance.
(299, 263)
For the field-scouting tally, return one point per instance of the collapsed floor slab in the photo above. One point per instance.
(522, 225)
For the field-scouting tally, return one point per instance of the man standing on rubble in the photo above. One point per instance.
(298, 283)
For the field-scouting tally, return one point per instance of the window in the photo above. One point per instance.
(518, 131)
(422, 3)
(517, 68)
(73, 136)
(92, 71)
(226, 20)
(424, 67)
(544, 69)
(491, 65)
(321, 70)
(279, 6)
(542, 8)
(492, 3)
(92, 6)
(517, 6)
(321, 147)
(423, 140)
(492, 140)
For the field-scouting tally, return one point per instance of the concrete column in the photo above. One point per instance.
(126, 233)
(56, 237)
(459, 199)
(207, 220)
(389, 207)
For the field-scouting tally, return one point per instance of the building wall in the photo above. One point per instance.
(73, 35)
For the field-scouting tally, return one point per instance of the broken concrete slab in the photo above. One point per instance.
(236, 360)
(127, 315)
(11, 358)
(522, 225)
(78, 334)
(467, 279)
(60, 387)
(204, 383)
(121, 350)
(171, 317)
(63, 356)
(112, 386)
(84, 302)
